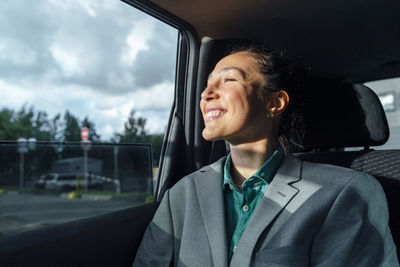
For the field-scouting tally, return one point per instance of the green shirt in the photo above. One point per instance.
(240, 203)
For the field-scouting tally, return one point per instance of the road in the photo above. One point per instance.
(21, 212)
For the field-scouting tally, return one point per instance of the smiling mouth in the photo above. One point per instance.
(214, 114)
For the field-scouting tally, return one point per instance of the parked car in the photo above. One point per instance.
(69, 181)
(40, 183)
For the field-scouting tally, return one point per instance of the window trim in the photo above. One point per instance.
(184, 105)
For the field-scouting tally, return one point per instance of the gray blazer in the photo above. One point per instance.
(311, 215)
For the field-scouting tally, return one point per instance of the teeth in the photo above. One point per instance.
(214, 113)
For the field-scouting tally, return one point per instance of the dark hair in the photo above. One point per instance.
(279, 75)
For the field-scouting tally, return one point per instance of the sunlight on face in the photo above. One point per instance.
(230, 107)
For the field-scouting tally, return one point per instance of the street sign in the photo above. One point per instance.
(32, 143)
(22, 145)
(85, 134)
(86, 145)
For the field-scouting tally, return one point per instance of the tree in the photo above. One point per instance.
(40, 127)
(72, 130)
(156, 141)
(6, 116)
(27, 123)
(23, 123)
(55, 128)
(93, 136)
(134, 130)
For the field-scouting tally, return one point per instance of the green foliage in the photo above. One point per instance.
(40, 127)
(135, 133)
(23, 123)
(27, 123)
(134, 130)
(93, 136)
(72, 130)
(55, 126)
(6, 127)
(156, 142)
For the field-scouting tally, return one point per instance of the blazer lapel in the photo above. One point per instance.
(276, 197)
(210, 196)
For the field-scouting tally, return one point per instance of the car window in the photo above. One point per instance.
(388, 91)
(86, 91)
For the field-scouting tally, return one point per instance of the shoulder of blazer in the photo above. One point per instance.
(213, 168)
(332, 175)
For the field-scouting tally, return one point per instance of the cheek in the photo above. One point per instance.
(235, 95)
(202, 106)
(239, 104)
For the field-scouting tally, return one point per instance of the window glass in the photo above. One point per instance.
(86, 90)
(388, 92)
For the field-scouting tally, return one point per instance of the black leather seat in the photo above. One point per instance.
(347, 116)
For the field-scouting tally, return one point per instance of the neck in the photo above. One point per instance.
(247, 158)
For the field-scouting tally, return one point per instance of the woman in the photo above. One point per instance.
(260, 206)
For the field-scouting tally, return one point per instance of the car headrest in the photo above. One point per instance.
(342, 115)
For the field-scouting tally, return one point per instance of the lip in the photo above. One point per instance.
(213, 113)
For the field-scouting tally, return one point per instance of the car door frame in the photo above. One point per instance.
(178, 151)
(114, 237)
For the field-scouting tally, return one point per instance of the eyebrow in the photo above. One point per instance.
(228, 69)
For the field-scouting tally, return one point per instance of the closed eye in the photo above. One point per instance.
(229, 80)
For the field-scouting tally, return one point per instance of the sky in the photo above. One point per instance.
(95, 58)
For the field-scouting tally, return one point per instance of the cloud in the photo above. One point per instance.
(13, 96)
(94, 58)
(156, 64)
(157, 98)
(133, 44)
(107, 112)
(156, 121)
(23, 40)
(87, 43)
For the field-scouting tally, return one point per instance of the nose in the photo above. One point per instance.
(210, 93)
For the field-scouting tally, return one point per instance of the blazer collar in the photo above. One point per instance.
(209, 192)
(278, 194)
(210, 196)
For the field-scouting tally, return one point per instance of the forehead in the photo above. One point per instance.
(241, 60)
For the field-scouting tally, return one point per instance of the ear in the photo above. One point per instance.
(278, 103)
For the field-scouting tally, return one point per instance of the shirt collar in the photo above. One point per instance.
(265, 173)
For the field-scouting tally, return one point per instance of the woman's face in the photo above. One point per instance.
(230, 107)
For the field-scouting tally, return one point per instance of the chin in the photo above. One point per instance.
(210, 136)
(207, 137)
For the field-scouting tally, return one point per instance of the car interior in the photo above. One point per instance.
(341, 44)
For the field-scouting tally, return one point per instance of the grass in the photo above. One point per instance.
(29, 190)
(143, 196)
(134, 195)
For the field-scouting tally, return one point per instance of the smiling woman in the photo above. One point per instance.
(229, 102)
(259, 205)
(244, 203)
(69, 65)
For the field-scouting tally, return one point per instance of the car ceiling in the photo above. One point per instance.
(345, 39)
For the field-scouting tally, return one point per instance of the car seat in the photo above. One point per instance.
(340, 117)
(342, 122)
